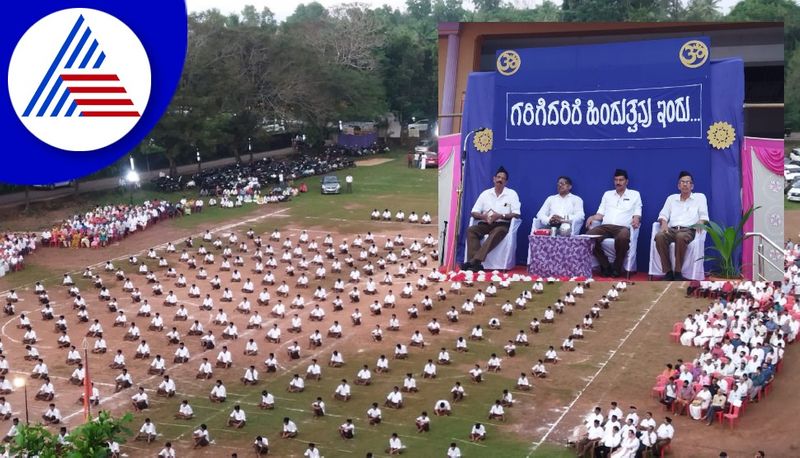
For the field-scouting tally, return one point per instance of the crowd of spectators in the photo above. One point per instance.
(271, 177)
(108, 223)
(14, 246)
(742, 342)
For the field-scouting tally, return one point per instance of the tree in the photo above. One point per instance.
(419, 9)
(595, 10)
(90, 439)
(34, 440)
(448, 10)
(786, 11)
(486, 5)
(702, 10)
(409, 73)
(792, 85)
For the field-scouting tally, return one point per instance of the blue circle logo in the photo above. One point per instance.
(86, 85)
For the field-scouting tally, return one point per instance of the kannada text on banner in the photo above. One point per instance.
(645, 94)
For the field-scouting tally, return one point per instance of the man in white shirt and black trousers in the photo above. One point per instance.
(680, 213)
(494, 210)
(562, 207)
(619, 208)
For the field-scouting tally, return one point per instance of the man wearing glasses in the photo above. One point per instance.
(562, 207)
(680, 213)
(494, 210)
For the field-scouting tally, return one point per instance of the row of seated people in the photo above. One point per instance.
(105, 224)
(400, 216)
(621, 435)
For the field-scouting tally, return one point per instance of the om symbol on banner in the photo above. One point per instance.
(693, 54)
(508, 62)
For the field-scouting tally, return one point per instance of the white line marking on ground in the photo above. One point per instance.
(611, 354)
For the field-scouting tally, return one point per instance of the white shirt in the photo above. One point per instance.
(395, 397)
(481, 430)
(219, 391)
(569, 206)
(395, 444)
(148, 428)
(506, 202)
(684, 213)
(343, 390)
(364, 374)
(290, 427)
(665, 431)
(620, 210)
(186, 409)
(167, 385)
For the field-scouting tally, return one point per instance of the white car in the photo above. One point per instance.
(791, 171)
(794, 194)
(795, 154)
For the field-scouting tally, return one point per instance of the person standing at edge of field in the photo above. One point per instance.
(349, 181)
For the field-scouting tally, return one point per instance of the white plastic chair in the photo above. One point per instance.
(629, 265)
(576, 229)
(503, 256)
(692, 267)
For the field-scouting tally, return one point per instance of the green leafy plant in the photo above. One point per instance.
(34, 440)
(726, 241)
(90, 440)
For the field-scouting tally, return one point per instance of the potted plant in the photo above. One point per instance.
(726, 240)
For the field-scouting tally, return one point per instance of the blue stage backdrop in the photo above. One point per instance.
(642, 106)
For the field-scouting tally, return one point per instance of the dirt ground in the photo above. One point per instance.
(618, 360)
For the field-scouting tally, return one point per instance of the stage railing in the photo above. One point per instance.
(761, 258)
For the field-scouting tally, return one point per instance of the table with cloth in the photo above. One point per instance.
(560, 256)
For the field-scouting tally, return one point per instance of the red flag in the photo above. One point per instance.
(87, 385)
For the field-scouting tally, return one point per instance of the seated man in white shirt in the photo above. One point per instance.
(394, 399)
(442, 408)
(680, 213)
(478, 433)
(289, 429)
(140, 400)
(166, 387)
(619, 208)
(396, 446)
(267, 401)
(185, 411)
(237, 418)
(496, 412)
(167, 451)
(563, 207)
(218, 393)
(147, 432)
(494, 210)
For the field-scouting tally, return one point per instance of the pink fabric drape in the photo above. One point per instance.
(448, 146)
(769, 153)
(450, 153)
